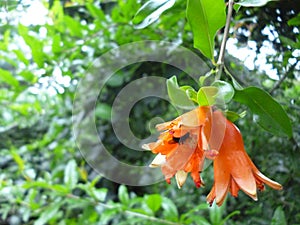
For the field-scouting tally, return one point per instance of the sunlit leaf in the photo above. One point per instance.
(71, 175)
(154, 202)
(150, 12)
(225, 90)
(177, 95)
(206, 17)
(207, 95)
(123, 194)
(50, 212)
(7, 77)
(268, 113)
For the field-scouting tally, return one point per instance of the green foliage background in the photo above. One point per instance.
(44, 179)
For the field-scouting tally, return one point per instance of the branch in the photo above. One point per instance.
(283, 77)
(220, 61)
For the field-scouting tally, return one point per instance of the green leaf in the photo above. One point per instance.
(233, 116)
(150, 12)
(215, 213)
(8, 78)
(35, 45)
(49, 213)
(207, 95)
(21, 56)
(74, 26)
(295, 21)
(268, 113)
(177, 95)
(253, 3)
(154, 202)
(123, 194)
(56, 47)
(225, 90)
(71, 175)
(278, 217)
(170, 211)
(17, 158)
(95, 12)
(103, 111)
(206, 17)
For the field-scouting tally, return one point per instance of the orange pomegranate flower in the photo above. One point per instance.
(180, 149)
(233, 169)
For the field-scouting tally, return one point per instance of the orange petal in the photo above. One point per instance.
(211, 196)
(234, 188)
(222, 178)
(242, 174)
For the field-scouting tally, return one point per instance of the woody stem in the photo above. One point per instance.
(220, 62)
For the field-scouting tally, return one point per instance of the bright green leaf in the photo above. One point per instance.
(206, 17)
(21, 56)
(225, 91)
(150, 12)
(295, 21)
(71, 175)
(17, 158)
(268, 113)
(278, 217)
(97, 13)
(56, 46)
(177, 95)
(103, 111)
(207, 95)
(154, 202)
(233, 116)
(8, 78)
(49, 213)
(170, 211)
(123, 194)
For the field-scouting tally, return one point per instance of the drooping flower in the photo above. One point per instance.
(180, 149)
(203, 133)
(233, 168)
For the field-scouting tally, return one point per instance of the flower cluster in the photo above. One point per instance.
(204, 132)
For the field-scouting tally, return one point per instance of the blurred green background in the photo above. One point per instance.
(46, 48)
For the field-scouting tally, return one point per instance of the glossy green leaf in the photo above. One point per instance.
(177, 95)
(7, 77)
(206, 17)
(278, 217)
(225, 91)
(154, 202)
(150, 12)
(295, 21)
(233, 116)
(207, 95)
(49, 212)
(253, 3)
(268, 113)
(21, 56)
(35, 45)
(170, 211)
(17, 158)
(103, 111)
(123, 194)
(71, 175)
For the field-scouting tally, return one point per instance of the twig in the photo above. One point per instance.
(220, 61)
(283, 77)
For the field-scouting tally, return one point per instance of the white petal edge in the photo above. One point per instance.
(180, 177)
(158, 161)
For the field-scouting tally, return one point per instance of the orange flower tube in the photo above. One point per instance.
(233, 169)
